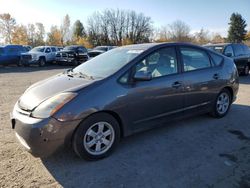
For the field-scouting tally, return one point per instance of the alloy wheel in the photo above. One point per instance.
(223, 103)
(99, 138)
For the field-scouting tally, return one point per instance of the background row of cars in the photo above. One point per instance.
(42, 55)
(77, 54)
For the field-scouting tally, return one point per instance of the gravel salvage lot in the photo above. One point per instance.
(195, 152)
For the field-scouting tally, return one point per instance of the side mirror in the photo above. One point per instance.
(143, 76)
(229, 54)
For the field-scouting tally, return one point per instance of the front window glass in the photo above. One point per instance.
(160, 63)
(108, 63)
(194, 59)
(38, 49)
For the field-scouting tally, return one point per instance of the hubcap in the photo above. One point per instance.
(223, 103)
(99, 138)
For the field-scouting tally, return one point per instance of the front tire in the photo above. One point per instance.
(222, 104)
(246, 70)
(96, 137)
(19, 63)
(41, 62)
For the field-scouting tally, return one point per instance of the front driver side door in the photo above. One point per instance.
(150, 102)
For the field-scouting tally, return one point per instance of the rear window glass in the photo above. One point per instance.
(217, 60)
(238, 50)
(194, 59)
(246, 49)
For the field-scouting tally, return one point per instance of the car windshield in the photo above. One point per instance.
(219, 49)
(107, 63)
(101, 48)
(38, 49)
(70, 48)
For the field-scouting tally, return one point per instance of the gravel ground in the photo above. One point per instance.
(195, 152)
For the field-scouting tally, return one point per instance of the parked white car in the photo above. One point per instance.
(40, 55)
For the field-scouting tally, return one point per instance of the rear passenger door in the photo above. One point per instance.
(201, 78)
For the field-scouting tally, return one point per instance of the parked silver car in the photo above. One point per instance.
(39, 55)
(120, 92)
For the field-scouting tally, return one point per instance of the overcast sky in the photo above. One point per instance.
(212, 15)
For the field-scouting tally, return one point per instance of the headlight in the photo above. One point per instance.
(50, 106)
(71, 55)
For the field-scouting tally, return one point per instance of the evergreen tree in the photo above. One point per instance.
(237, 29)
(78, 30)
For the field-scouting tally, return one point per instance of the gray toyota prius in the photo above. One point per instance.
(121, 92)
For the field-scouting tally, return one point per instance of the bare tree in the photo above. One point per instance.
(7, 25)
(217, 38)
(65, 30)
(40, 34)
(31, 30)
(179, 31)
(118, 27)
(201, 37)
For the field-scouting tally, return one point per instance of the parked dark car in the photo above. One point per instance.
(240, 53)
(121, 92)
(72, 55)
(99, 50)
(10, 54)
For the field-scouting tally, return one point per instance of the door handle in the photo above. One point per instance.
(216, 76)
(176, 84)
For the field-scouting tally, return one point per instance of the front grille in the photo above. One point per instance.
(26, 57)
(64, 55)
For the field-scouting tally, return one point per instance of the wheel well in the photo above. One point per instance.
(230, 91)
(113, 114)
(42, 57)
(118, 119)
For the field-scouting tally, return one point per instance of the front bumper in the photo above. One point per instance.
(65, 60)
(41, 137)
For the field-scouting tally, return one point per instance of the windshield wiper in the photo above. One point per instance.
(71, 74)
(82, 75)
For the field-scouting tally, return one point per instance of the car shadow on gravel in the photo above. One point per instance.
(185, 152)
(15, 69)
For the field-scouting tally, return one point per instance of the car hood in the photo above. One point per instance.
(66, 51)
(32, 53)
(45, 89)
(97, 51)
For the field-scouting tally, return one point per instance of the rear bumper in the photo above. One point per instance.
(41, 137)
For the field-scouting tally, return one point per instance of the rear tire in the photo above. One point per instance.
(96, 137)
(222, 104)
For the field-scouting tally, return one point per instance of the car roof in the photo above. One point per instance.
(146, 46)
(11, 45)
